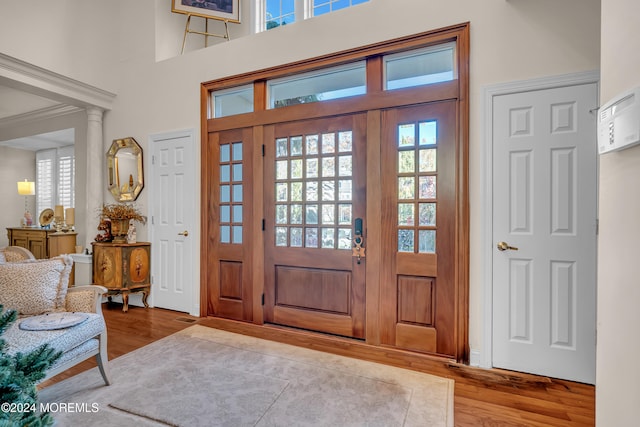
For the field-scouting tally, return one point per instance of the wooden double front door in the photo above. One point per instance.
(342, 225)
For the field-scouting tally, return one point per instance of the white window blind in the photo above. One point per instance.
(66, 177)
(55, 178)
(45, 185)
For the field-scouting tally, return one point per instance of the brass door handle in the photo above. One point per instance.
(185, 233)
(504, 246)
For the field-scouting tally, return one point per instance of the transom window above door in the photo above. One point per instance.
(421, 67)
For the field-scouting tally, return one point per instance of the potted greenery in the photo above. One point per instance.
(19, 375)
(120, 215)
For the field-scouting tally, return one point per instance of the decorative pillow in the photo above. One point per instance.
(35, 287)
(52, 321)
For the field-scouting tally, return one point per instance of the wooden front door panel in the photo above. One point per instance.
(229, 240)
(314, 191)
(418, 289)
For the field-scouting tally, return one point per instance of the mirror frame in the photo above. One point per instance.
(112, 170)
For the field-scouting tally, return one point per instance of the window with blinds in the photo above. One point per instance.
(66, 172)
(55, 178)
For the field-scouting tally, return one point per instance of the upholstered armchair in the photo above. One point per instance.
(15, 254)
(38, 291)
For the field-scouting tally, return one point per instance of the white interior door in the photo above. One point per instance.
(544, 188)
(173, 222)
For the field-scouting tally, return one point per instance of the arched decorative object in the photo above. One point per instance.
(125, 178)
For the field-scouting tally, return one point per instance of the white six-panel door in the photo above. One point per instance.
(544, 190)
(173, 219)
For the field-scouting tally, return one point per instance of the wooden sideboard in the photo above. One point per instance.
(43, 243)
(123, 268)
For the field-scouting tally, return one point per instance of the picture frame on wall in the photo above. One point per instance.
(223, 10)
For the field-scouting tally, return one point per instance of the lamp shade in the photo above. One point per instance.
(70, 216)
(26, 188)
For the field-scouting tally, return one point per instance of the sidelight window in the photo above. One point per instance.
(417, 186)
(231, 211)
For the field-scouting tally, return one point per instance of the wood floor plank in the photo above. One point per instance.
(482, 397)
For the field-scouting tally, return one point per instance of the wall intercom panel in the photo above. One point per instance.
(619, 122)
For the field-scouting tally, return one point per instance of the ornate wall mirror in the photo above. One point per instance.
(124, 169)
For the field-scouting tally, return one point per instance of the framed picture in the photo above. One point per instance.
(224, 10)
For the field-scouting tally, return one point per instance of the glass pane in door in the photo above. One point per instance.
(417, 205)
(307, 191)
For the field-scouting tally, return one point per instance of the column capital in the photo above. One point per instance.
(94, 114)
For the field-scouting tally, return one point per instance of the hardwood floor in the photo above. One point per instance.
(482, 397)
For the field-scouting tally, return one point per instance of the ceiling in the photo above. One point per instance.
(15, 103)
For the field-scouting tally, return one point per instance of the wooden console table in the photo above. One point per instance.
(41, 242)
(123, 268)
(44, 243)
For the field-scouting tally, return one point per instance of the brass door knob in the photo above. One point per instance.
(185, 233)
(504, 246)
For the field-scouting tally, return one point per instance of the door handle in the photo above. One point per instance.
(504, 246)
(358, 240)
(185, 233)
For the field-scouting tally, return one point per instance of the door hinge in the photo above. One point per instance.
(597, 227)
(153, 160)
(262, 299)
(263, 224)
(262, 150)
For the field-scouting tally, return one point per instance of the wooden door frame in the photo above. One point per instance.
(373, 102)
(483, 357)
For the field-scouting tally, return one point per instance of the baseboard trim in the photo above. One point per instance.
(474, 360)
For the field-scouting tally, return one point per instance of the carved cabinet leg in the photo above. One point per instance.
(125, 301)
(145, 295)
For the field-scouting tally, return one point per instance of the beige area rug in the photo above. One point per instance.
(206, 377)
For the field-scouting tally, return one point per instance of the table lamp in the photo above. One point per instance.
(27, 188)
(70, 217)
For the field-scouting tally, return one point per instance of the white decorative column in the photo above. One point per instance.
(95, 172)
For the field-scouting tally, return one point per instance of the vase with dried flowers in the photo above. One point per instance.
(120, 215)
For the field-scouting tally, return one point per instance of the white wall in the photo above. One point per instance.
(170, 24)
(70, 37)
(15, 165)
(618, 374)
(510, 40)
